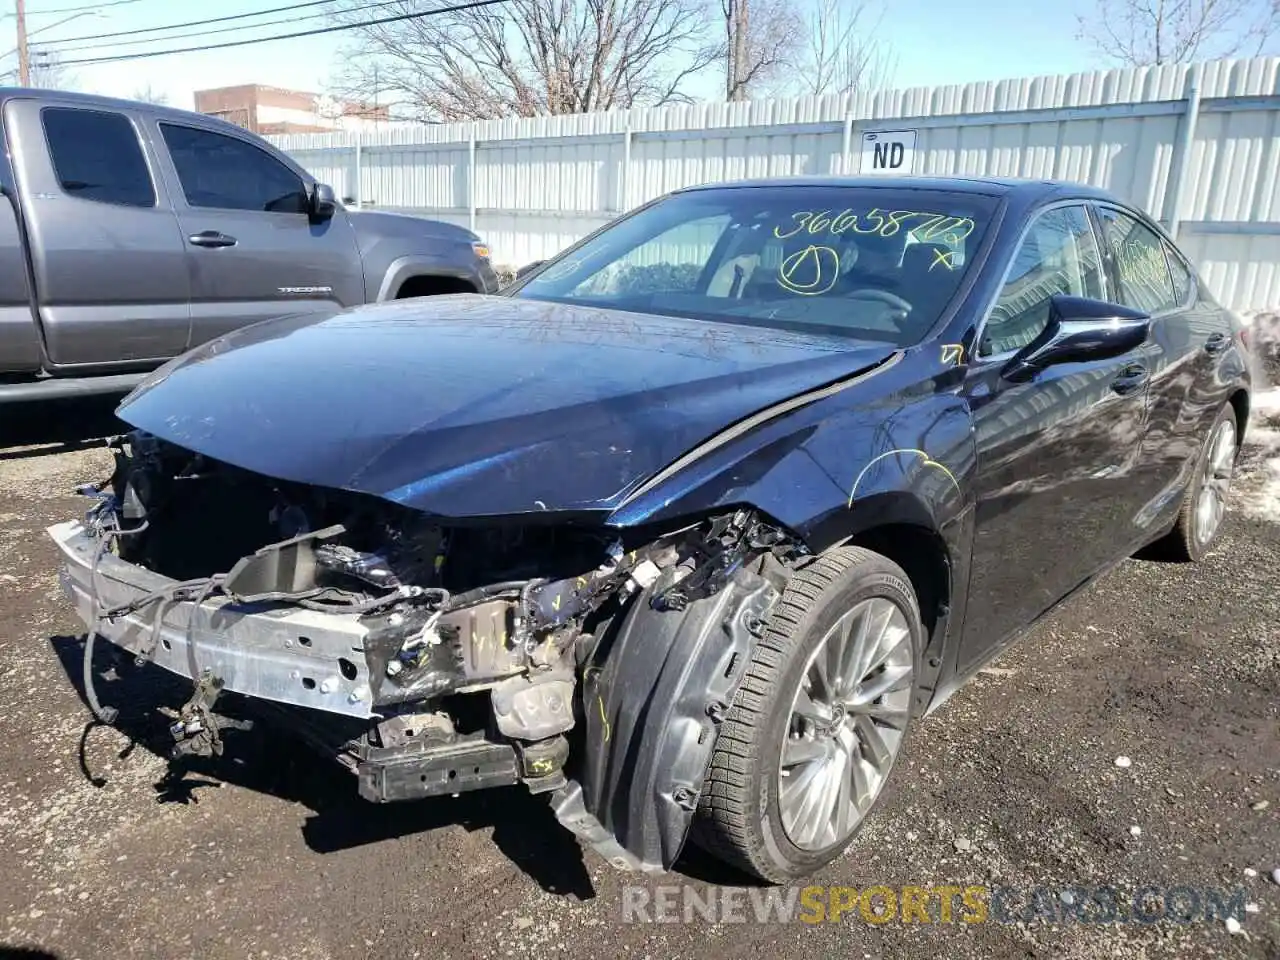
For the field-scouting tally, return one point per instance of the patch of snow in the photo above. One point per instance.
(1261, 478)
(1265, 502)
(1266, 404)
(1261, 434)
(1266, 328)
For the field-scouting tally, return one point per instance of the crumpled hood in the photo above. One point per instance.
(472, 405)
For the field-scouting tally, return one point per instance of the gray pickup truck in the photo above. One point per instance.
(131, 233)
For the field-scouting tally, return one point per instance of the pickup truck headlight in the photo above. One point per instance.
(481, 249)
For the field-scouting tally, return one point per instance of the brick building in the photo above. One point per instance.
(271, 110)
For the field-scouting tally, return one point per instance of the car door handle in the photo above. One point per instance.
(211, 238)
(1217, 343)
(1130, 379)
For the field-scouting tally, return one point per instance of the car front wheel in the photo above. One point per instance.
(819, 720)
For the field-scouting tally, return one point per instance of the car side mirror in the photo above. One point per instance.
(1080, 329)
(323, 202)
(527, 267)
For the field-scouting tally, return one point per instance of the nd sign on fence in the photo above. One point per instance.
(888, 151)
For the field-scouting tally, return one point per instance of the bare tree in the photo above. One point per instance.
(1141, 32)
(761, 39)
(843, 51)
(47, 72)
(148, 94)
(526, 57)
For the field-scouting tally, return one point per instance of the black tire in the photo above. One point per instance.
(1182, 544)
(738, 818)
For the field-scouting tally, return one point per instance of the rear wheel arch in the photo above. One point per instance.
(1240, 404)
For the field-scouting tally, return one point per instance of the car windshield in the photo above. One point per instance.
(868, 262)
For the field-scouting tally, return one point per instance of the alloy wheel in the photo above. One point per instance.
(1216, 482)
(846, 726)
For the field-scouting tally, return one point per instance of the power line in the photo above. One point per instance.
(88, 9)
(286, 36)
(199, 23)
(57, 45)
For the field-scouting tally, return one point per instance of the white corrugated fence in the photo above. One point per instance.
(1197, 146)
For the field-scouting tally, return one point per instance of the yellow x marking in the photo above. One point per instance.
(943, 257)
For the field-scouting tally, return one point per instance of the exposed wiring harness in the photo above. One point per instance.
(103, 520)
(107, 531)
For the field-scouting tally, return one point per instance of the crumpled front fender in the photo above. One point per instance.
(653, 698)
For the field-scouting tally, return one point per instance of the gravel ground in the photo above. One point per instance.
(266, 852)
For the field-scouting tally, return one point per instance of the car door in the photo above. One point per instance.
(254, 250)
(107, 257)
(1056, 454)
(1188, 335)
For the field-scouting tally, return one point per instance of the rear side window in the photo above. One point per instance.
(97, 156)
(229, 174)
(1139, 257)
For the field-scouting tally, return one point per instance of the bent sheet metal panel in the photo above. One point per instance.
(651, 713)
(255, 652)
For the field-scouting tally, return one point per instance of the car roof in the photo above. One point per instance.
(1026, 190)
(115, 103)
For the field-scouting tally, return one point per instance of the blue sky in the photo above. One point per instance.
(935, 42)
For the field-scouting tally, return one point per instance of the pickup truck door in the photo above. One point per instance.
(110, 269)
(254, 251)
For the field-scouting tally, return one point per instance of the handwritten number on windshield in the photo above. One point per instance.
(878, 222)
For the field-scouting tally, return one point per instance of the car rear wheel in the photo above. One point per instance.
(1204, 505)
(812, 736)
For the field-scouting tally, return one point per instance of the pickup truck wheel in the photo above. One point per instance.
(812, 735)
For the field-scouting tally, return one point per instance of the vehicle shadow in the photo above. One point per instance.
(57, 426)
(270, 759)
(25, 953)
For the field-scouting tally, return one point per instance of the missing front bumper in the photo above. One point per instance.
(291, 656)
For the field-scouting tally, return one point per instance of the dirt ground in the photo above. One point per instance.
(267, 852)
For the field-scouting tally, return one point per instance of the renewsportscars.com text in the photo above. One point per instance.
(939, 903)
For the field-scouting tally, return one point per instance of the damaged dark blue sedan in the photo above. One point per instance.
(687, 526)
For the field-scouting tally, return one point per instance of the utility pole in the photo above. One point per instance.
(24, 62)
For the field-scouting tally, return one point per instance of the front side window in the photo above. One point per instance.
(867, 262)
(1138, 254)
(97, 156)
(228, 174)
(671, 261)
(1058, 255)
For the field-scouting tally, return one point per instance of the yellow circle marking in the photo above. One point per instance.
(810, 271)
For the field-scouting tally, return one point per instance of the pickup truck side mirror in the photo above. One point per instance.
(1080, 329)
(323, 202)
